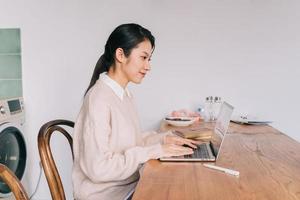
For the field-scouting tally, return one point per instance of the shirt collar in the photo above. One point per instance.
(118, 90)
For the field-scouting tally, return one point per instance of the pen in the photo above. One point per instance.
(227, 171)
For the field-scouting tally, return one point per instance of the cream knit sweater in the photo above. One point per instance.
(108, 145)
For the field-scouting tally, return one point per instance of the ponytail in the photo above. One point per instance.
(101, 66)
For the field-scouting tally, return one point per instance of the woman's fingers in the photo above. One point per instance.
(192, 141)
(185, 151)
(182, 149)
(181, 141)
(188, 142)
(176, 150)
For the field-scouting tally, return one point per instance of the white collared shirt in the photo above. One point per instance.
(118, 90)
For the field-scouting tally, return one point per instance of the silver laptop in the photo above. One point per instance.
(209, 151)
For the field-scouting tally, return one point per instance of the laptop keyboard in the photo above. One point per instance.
(200, 152)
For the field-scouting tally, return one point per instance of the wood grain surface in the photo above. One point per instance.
(268, 162)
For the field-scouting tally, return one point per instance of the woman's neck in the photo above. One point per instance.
(118, 76)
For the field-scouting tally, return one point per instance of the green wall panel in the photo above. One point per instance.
(10, 67)
(10, 63)
(10, 88)
(10, 41)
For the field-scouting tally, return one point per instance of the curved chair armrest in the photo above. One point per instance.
(13, 183)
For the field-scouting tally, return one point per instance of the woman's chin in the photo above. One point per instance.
(137, 80)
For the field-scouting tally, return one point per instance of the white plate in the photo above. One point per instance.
(182, 121)
(249, 120)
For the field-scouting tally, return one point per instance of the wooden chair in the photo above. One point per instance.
(13, 183)
(48, 163)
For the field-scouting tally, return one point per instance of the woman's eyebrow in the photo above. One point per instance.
(146, 53)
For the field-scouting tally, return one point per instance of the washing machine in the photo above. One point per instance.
(12, 143)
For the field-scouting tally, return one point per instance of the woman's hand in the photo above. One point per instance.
(175, 150)
(170, 139)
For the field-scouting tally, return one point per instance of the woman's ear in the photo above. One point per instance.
(120, 56)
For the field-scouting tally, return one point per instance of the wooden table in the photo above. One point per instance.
(268, 162)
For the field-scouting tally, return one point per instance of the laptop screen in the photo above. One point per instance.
(221, 126)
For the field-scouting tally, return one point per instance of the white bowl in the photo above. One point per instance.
(180, 121)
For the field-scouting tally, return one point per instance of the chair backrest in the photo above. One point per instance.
(48, 163)
(13, 183)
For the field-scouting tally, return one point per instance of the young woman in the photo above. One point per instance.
(109, 147)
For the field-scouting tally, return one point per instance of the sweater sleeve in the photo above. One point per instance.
(153, 137)
(97, 160)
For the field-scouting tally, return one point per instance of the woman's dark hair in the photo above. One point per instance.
(125, 36)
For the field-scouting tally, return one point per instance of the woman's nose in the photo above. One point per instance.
(147, 66)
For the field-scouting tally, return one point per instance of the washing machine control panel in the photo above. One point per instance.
(2, 110)
(11, 108)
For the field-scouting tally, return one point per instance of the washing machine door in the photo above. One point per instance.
(12, 152)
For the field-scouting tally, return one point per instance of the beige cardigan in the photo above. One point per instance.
(108, 146)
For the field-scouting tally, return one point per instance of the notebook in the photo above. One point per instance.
(209, 151)
(194, 133)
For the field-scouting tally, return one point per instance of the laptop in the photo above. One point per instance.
(209, 151)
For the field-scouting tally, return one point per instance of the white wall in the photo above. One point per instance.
(244, 51)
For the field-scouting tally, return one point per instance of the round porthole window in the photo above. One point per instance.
(12, 154)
